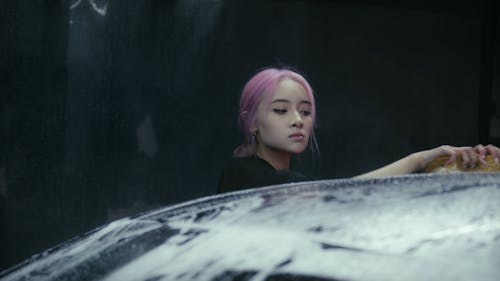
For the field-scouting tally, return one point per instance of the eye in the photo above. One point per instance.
(305, 112)
(279, 111)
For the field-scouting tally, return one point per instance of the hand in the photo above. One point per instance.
(489, 149)
(418, 161)
(467, 153)
(470, 156)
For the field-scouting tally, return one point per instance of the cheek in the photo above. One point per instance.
(309, 125)
(270, 123)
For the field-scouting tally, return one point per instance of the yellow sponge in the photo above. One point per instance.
(438, 165)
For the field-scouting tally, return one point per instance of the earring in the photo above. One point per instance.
(254, 137)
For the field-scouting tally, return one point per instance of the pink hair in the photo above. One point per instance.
(259, 88)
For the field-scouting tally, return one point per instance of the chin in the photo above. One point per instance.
(298, 150)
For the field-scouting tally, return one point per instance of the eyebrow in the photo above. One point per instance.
(285, 100)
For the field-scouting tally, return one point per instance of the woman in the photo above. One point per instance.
(277, 116)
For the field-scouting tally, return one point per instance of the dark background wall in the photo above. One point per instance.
(124, 106)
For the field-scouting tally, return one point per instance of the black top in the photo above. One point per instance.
(249, 172)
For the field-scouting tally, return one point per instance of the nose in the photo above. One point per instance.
(297, 121)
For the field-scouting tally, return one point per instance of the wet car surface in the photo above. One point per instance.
(414, 227)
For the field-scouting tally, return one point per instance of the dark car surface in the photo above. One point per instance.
(414, 227)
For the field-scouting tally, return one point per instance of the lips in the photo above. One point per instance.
(297, 137)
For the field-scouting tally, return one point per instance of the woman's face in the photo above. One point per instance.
(285, 124)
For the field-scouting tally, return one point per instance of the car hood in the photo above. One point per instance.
(414, 227)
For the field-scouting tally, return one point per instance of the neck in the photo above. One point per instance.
(280, 160)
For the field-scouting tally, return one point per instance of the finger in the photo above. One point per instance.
(482, 160)
(494, 152)
(452, 153)
(474, 159)
(480, 149)
(466, 160)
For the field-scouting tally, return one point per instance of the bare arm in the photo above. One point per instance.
(403, 166)
(471, 156)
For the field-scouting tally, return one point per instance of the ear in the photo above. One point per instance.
(244, 115)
